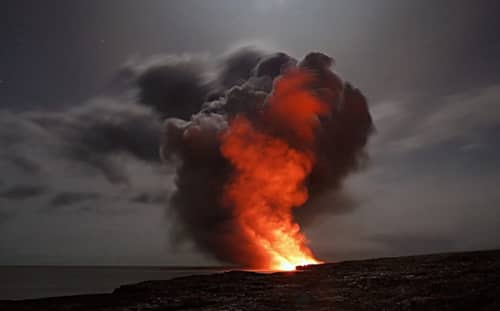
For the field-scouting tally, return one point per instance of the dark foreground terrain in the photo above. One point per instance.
(460, 281)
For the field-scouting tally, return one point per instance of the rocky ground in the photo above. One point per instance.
(459, 281)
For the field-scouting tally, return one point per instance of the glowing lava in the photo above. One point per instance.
(271, 167)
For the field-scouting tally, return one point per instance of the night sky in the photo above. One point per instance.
(82, 182)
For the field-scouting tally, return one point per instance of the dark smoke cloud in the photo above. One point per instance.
(243, 86)
(96, 147)
(195, 100)
(96, 133)
(237, 67)
(176, 87)
(179, 86)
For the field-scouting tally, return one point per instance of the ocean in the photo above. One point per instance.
(26, 282)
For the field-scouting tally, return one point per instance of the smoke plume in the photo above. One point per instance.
(296, 121)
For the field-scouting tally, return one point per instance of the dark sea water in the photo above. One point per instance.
(24, 282)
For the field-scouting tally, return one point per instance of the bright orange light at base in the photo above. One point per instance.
(292, 266)
(270, 175)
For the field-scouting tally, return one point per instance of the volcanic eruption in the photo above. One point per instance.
(272, 136)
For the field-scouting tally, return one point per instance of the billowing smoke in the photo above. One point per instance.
(200, 112)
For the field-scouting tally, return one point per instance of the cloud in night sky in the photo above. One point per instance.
(462, 117)
(80, 154)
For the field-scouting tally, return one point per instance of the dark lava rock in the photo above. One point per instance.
(459, 281)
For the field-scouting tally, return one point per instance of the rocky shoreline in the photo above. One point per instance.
(457, 281)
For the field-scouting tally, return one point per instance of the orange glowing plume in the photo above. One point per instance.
(270, 173)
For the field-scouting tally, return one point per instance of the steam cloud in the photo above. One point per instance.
(198, 110)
